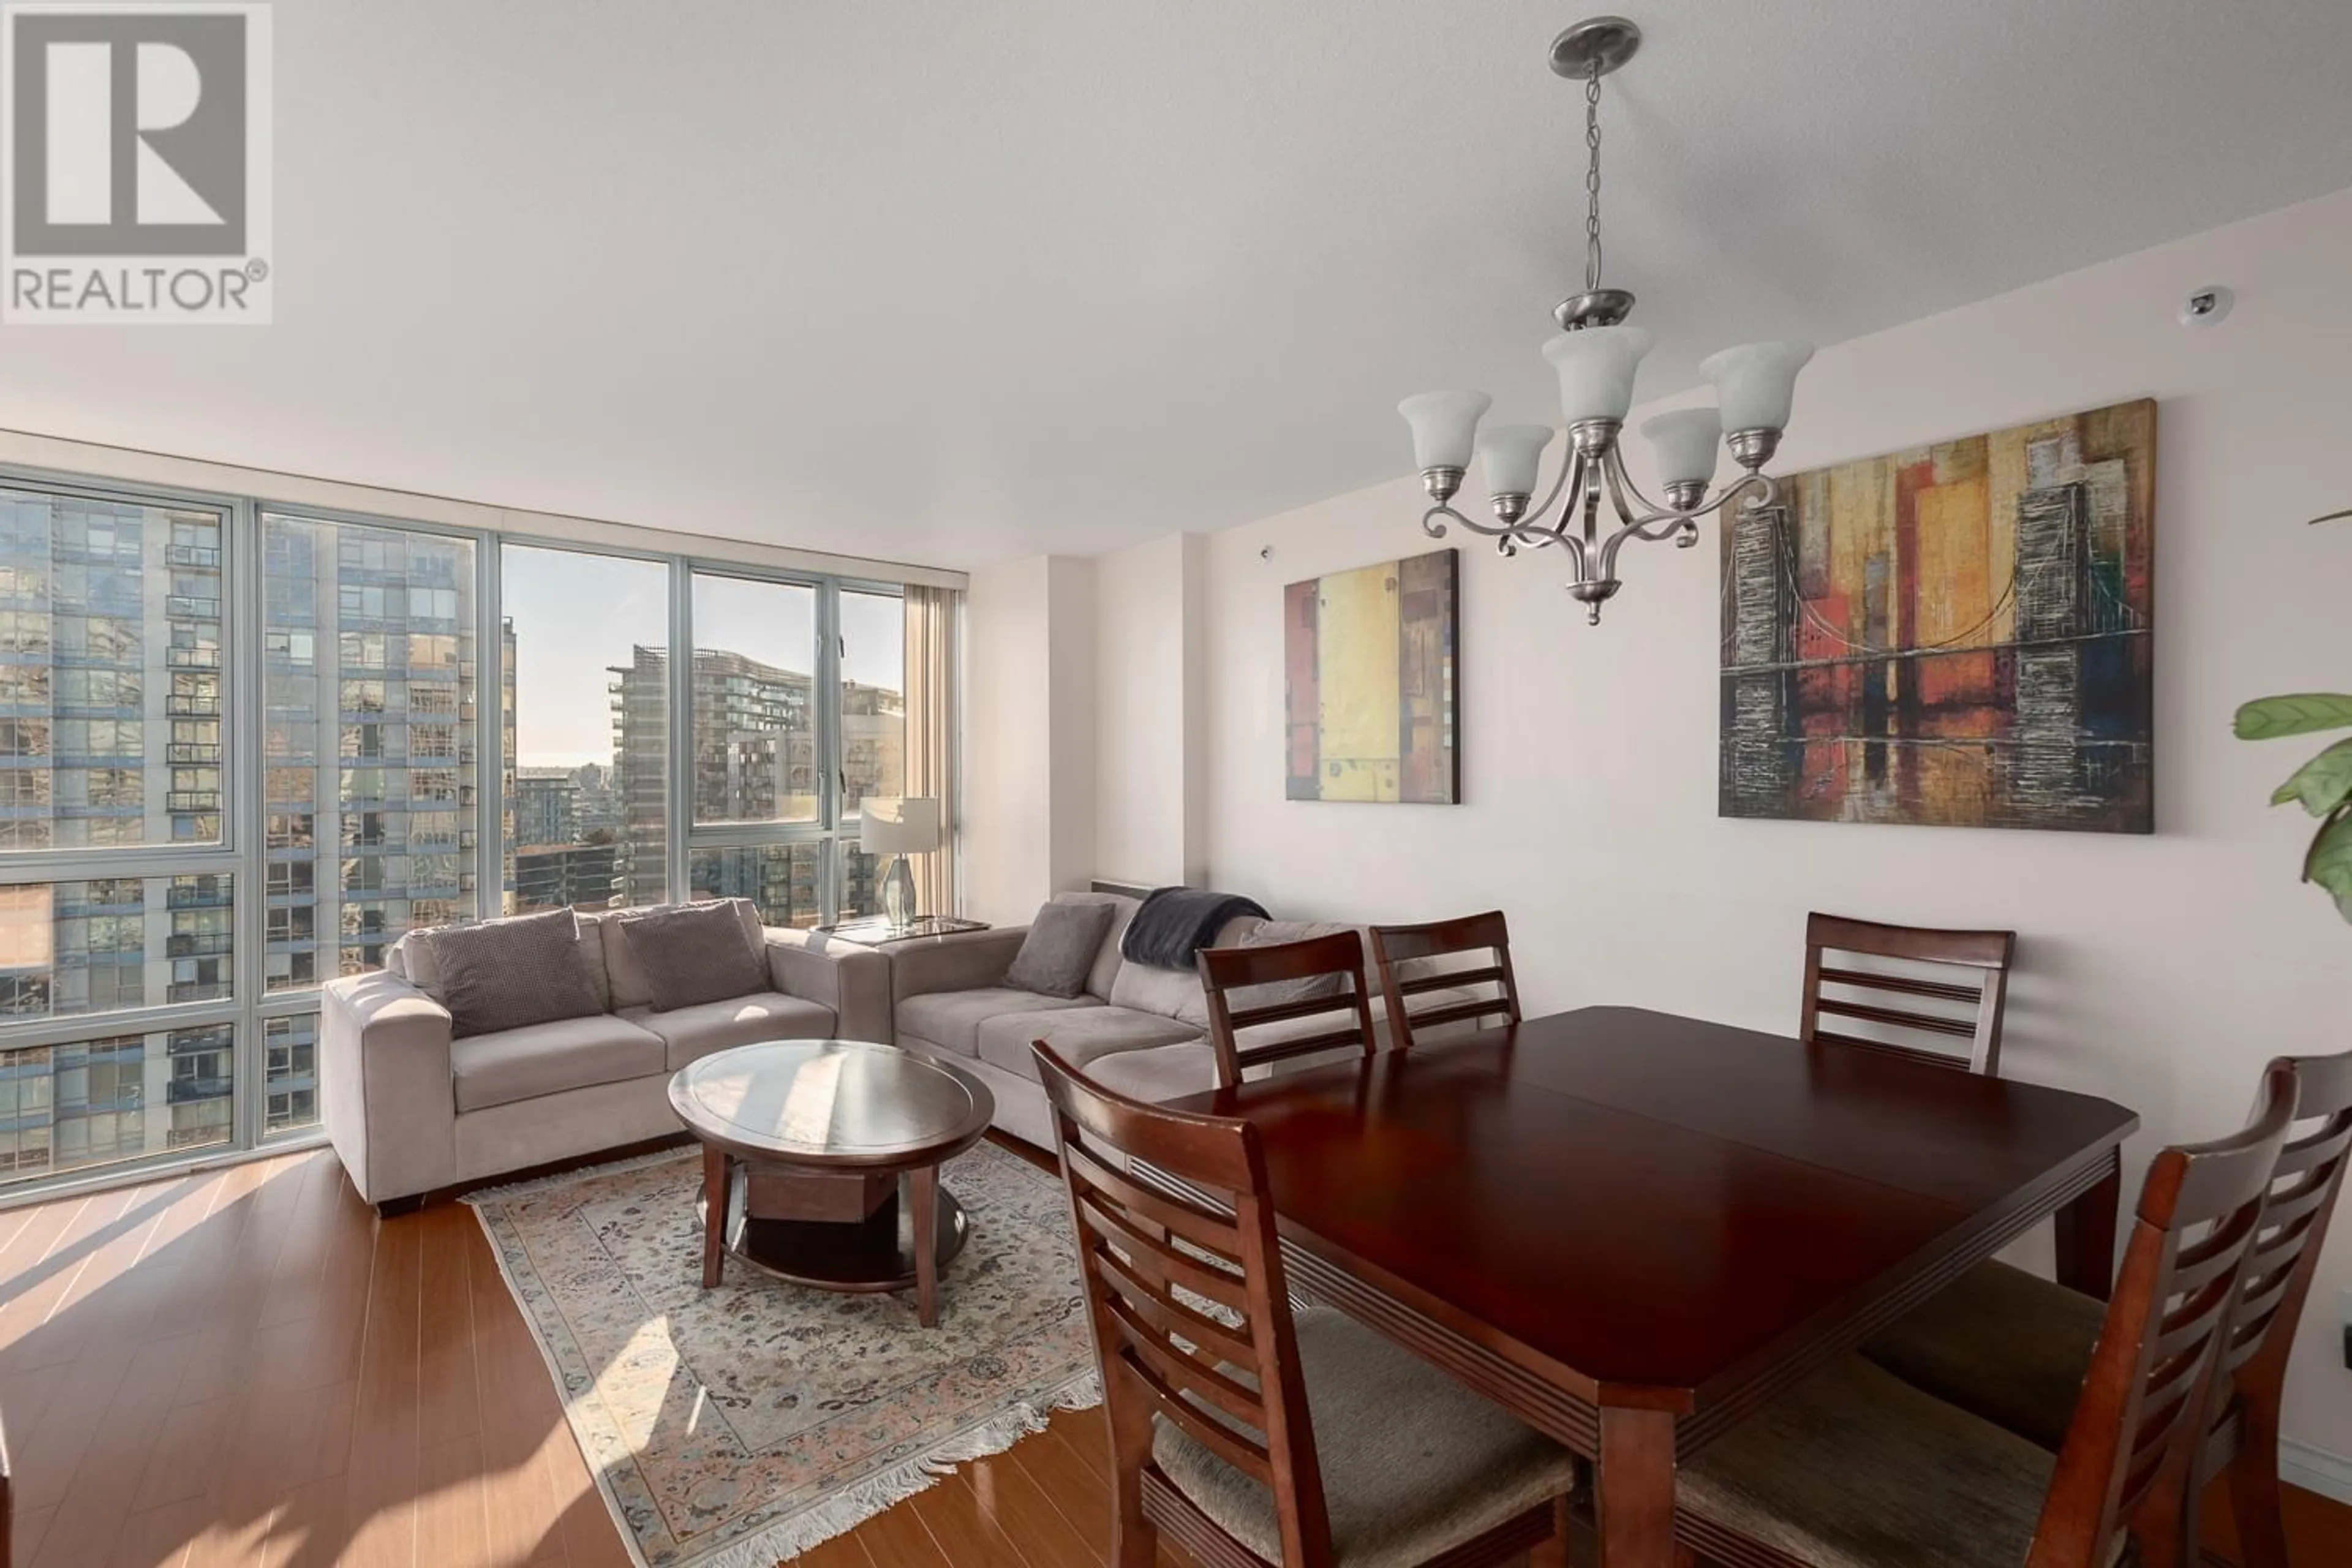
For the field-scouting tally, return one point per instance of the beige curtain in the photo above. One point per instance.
(930, 736)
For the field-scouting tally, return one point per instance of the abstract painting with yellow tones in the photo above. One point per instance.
(1369, 655)
(1958, 636)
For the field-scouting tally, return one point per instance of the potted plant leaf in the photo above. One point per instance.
(2324, 785)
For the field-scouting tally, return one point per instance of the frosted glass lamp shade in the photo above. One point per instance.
(1756, 383)
(1596, 367)
(1443, 426)
(909, 827)
(1510, 454)
(1687, 441)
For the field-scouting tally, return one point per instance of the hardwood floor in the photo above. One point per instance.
(246, 1367)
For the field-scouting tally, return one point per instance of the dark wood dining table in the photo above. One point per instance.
(1630, 1228)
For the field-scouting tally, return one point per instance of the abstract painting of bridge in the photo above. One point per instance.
(1958, 636)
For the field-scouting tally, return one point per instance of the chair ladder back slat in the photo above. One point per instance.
(1164, 1261)
(1234, 1387)
(1238, 1449)
(1185, 1371)
(2290, 1211)
(2241, 1425)
(1973, 972)
(1197, 1225)
(1899, 1018)
(2321, 1151)
(1394, 946)
(1461, 1013)
(1903, 985)
(1224, 971)
(1159, 1306)
(2130, 1450)
(1453, 979)
(1303, 1045)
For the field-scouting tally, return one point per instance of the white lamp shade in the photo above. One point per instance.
(1510, 454)
(1756, 383)
(1687, 441)
(1443, 426)
(1596, 367)
(908, 827)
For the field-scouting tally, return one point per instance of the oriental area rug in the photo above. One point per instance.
(739, 1427)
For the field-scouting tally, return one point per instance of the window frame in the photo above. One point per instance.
(834, 830)
(241, 772)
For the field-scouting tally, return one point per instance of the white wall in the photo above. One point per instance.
(1006, 837)
(1150, 713)
(1070, 588)
(2159, 971)
(1028, 735)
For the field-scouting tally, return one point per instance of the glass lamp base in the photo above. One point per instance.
(898, 893)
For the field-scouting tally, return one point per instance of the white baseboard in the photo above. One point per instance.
(2315, 1470)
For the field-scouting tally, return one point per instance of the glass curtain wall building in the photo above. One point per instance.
(243, 749)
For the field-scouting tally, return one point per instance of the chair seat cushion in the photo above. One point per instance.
(687, 1033)
(951, 1019)
(1079, 1034)
(1855, 1469)
(548, 1058)
(1413, 1464)
(2006, 1345)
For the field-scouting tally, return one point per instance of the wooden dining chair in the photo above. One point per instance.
(2014, 1348)
(1966, 969)
(1394, 946)
(1857, 1469)
(1319, 978)
(1246, 1433)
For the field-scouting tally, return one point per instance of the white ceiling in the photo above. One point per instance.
(951, 283)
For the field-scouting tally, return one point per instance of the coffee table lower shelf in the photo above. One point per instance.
(873, 1254)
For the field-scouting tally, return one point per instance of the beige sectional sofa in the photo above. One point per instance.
(1139, 1030)
(411, 1110)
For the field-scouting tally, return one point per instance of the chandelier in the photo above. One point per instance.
(1596, 355)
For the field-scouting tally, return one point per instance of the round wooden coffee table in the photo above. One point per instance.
(821, 1162)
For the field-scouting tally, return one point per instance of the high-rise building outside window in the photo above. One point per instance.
(572, 836)
(368, 688)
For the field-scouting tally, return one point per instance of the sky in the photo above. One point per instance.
(577, 614)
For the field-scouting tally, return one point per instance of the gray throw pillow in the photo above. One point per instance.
(1059, 950)
(694, 952)
(507, 974)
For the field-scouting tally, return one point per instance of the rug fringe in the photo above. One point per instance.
(852, 1506)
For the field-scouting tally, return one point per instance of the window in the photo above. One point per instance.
(787, 744)
(90, 587)
(780, 879)
(69, 948)
(587, 706)
(873, 697)
(117, 1097)
(352, 608)
(137, 1019)
(291, 1071)
(755, 724)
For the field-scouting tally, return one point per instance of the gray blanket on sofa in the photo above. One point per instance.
(1172, 923)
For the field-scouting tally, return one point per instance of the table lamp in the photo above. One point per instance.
(898, 828)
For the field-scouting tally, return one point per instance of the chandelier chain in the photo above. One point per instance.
(1592, 177)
